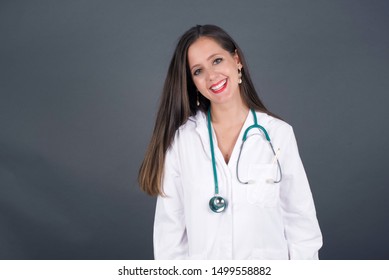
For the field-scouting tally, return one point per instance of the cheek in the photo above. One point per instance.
(199, 83)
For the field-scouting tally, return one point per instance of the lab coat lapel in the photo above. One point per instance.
(202, 130)
(235, 151)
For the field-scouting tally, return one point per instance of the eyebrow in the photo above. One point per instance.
(208, 58)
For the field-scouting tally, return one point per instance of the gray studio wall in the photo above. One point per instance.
(80, 82)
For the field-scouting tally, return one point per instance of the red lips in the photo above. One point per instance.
(219, 87)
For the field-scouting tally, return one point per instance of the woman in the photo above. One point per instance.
(218, 199)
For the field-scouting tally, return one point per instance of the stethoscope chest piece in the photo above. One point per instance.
(217, 204)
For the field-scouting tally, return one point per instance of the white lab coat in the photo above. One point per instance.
(262, 220)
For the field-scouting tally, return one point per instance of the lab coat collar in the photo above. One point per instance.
(201, 127)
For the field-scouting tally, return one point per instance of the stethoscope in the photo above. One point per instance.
(217, 203)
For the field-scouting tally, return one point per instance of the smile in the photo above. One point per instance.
(219, 87)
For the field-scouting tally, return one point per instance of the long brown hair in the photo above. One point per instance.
(178, 102)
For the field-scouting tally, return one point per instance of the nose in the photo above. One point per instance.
(211, 74)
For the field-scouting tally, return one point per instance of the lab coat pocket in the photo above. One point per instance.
(261, 190)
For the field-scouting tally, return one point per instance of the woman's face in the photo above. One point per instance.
(214, 71)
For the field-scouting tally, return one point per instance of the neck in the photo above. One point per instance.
(229, 115)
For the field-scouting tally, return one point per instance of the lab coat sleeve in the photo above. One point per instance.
(170, 240)
(302, 230)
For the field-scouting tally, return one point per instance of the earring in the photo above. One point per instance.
(198, 100)
(239, 76)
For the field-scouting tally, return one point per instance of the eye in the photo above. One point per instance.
(217, 60)
(196, 72)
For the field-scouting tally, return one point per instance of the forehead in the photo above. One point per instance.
(202, 48)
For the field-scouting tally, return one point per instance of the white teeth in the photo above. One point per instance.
(219, 86)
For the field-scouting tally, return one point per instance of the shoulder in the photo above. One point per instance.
(280, 132)
(195, 121)
(273, 124)
(194, 126)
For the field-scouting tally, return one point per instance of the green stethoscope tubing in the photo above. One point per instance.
(217, 203)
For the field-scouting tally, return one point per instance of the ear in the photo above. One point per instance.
(237, 59)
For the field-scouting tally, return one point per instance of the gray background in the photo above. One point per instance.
(80, 83)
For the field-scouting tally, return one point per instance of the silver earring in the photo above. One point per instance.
(239, 76)
(198, 100)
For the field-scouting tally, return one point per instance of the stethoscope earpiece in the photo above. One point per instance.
(217, 204)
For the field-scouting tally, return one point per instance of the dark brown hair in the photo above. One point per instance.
(178, 102)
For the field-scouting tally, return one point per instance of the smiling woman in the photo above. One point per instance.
(246, 196)
(215, 71)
